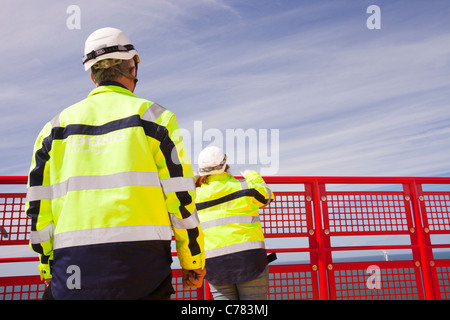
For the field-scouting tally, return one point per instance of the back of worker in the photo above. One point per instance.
(234, 240)
(107, 187)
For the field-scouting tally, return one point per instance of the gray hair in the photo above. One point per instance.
(111, 69)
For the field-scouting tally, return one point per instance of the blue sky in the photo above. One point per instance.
(346, 100)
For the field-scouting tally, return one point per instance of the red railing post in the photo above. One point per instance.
(207, 291)
(201, 292)
(423, 242)
(320, 241)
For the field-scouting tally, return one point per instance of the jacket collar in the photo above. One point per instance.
(111, 86)
(220, 176)
(112, 83)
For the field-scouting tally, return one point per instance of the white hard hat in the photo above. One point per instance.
(107, 43)
(211, 160)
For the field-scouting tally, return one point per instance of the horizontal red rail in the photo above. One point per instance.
(13, 180)
(19, 259)
(305, 179)
(318, 216)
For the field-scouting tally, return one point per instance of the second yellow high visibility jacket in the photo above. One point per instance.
(234, 240)
(109, 184)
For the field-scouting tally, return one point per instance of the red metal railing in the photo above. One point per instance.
(310, 221)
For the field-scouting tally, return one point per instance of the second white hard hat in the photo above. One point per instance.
(108, 43)
(211, 160)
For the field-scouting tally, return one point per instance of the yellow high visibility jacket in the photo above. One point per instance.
(234, 240)
(110, 182)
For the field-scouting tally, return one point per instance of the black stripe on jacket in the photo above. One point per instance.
(232, 196)
(151, 129)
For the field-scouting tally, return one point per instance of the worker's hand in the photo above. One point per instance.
(47, 282)
(193, 278)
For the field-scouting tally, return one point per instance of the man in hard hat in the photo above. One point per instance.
(108, 186)
(236, 258)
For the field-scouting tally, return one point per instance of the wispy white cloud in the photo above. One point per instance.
(357, 110)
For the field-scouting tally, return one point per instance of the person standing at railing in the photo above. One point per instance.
(109, 183)
(236, 258)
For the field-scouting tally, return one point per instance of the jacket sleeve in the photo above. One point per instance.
(38, 209)
(264, 195)
(178, 182)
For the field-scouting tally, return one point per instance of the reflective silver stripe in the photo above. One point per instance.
(234, 248)
(116, 180)
(269, 194)
(55, 121)
(244, 185)
(39, 193)
(111, 235)
(77, 183)
(269, 199)
(189, 223)
(229, 220)
(42, 235)
(178, 184)
(153, 112)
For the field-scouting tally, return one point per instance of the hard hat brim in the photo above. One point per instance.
(107, 43)
(114, 55)
(213, 170)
